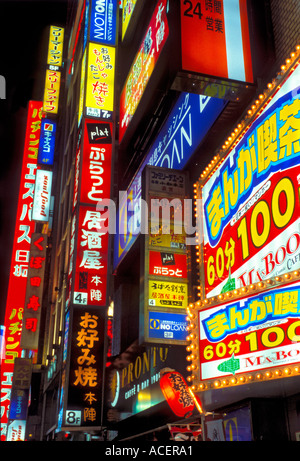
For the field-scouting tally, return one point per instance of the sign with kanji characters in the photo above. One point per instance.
(91, 257)
(47, 142)
(20, 259)
(55, 47)
(133, 378)
(250, 334)
(51, 91)
(84, 401)
(42, 195)
(103, 21)
(96, 162)
(143, 65)
(250, 204)
(215, 39)
(34, 292)
(100, 81)
(167, 294)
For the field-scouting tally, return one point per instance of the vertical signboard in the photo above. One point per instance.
(55, 47)
(47, 142)
(164, 289)
(42, 195)
(250, 204)
(103, 21)
(84, 397)
(127, 11)
(20, 259)
(34, 292)
(90, 282)
(215, 39)
(19, 400)
(143, 65)
(51, 91)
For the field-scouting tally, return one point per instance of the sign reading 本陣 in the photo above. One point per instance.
(250, 204)
(250, 334)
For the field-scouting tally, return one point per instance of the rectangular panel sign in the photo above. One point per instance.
(56, 45)
(167, 326)
(250, 334)
(167, 264)
(47, 142)
(215, 39)
(103, 21)
(167, 294)
(51, 92)
(100, 81)
(143, 65)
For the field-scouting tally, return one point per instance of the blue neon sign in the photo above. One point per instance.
(103, 21)
(47, 142)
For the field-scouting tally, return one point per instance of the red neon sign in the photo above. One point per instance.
(20, 259)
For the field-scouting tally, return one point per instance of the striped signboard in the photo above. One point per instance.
(215, 39)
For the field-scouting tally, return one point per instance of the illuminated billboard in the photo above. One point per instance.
(215, 39)
(20, 259)
(55, 47)
(250, 203)
(127, 11)
(51, 91)
(47, 142)
(96, 162)
(42, 195)
(100, 81)
(103, 21)
(250, 335)
(143, 65)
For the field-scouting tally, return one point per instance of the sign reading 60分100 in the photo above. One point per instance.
(251, 204)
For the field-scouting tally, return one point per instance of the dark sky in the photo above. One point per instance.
(23, 31)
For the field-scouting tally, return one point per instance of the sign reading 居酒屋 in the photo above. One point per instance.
(251, 204)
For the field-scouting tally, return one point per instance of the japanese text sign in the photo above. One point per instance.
(34, 292)
(47, 142)
(86, 368)
(143, 65)
(55, 48)
(51, 92)
(20, 258)
(103, 21)
(250, 334)
(250, 204)
(166, 325)
(91, 258)
(215, 38)
(127, 11)
(100, 81)
(96, 162)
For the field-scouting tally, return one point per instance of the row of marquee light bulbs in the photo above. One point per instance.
(253, 112)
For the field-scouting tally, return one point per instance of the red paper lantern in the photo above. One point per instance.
(176, 392)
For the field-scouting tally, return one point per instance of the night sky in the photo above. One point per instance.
(23, 31)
